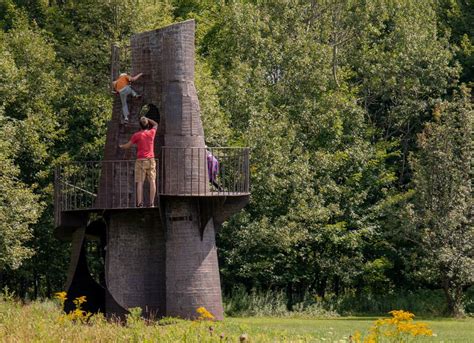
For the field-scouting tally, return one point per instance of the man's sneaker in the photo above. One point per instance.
(140, 205)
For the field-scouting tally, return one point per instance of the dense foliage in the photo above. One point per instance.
(357, 112)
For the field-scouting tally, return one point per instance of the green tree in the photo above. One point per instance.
(315, 174)
(457, 17)
(442, 208)
(31, 91)
(404, 66)
(19, 205)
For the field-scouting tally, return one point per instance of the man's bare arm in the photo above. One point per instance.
(153, 123)
(136, 77)
(127, 145)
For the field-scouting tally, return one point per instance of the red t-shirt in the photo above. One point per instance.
(144, 141)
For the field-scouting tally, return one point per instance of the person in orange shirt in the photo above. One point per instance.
(122, 86)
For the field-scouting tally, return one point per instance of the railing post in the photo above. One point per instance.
(192, 168)
(199, 174)
(106, 198)
(247, 170)
(180, 182)
(160, 179)
(57, 200)
(120, 184)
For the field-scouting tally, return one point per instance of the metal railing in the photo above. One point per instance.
(96, 185)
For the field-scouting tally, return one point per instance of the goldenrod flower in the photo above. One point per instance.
(80, 300)
(204, 314)
(61, 296)
(396, 329)
(78, 314)
(357, 336)
(400, 315)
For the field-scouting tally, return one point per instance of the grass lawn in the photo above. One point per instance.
(45, 322)
(447, 330)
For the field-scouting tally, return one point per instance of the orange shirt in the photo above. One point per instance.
(121, 82)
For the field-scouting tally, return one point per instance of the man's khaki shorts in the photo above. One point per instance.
(145, 168)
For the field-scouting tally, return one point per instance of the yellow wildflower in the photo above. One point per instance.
(80, 300)
(357, 336)
(60, 295)
(204, 314)
(400, 315)
(397, 328)
(78, 314)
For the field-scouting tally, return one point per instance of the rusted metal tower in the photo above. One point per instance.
(161, 259)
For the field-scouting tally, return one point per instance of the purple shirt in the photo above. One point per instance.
(212, 166)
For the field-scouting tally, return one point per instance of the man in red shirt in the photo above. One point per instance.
(145, 165)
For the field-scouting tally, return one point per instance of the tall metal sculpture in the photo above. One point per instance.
(161, 259)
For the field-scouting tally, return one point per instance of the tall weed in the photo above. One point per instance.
(273, 304)
(422, 302)
(276, 303)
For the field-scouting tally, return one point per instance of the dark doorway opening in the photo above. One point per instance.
(150, 111)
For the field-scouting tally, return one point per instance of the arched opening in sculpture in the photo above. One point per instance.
(95, 249)
(150, 111)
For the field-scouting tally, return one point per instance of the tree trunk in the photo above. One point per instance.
(337, 284)
(289, 296)
(454, 297)
(35, 284)
(322, 287)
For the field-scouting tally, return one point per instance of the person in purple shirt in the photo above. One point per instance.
(213, 169)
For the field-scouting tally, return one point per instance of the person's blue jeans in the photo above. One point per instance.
(124, 92)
